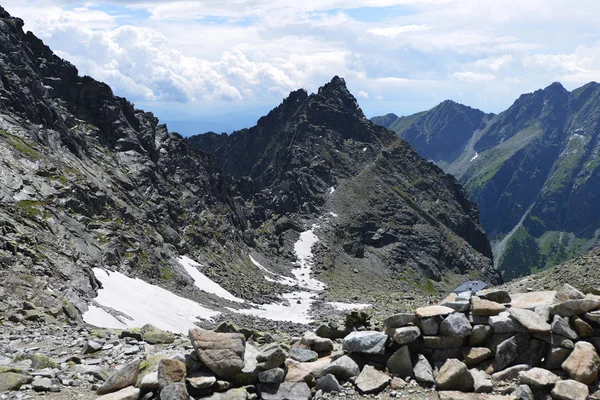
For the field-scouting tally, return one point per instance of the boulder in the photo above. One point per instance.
(128, 393)
(285, 391)
(570, 390)
(41, 384)
(343, 368)
(592, 316)
(583, 363)
(149, 382)
(399, 320)
(92, 346)
(485, 308)
(430, 326)
(582, 328)
(433, 311)
(456, 325)
(272, 357)
(510, 373)
(454, 375)
(174, 391)
(200, 380)
(556, 356)
(170, 371)
(530, 320)
(423, 371)
(332, 330)
(480, 334)
(328, 384)
(306, 372)
(568, 292)
(406, 334)
(222, 353)
(482, 382)
(523, 392)
(561, 326)
(371, 381)
(505, 323)
(123, 377)
(495, 295)
(570, 308)
(506, 352)
(399, 363)
(476, 355)
(153, 335)
(367, 342)
(531, 300)
(317, 343)
(303, 355)
(275, 375)
(538, 378)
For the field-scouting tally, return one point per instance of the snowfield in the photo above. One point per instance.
(143, 303)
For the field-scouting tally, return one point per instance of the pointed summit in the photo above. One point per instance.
(335, 95)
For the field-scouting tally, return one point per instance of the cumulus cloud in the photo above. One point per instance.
(470, 76)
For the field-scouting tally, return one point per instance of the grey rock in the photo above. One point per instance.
(222, 353)
(128, 393)
(199, 380)
(583, 363)
(271, 358)
(556, 356)
(570, 390)
(430, 326)
(510, 373)
(496, 295)
(149, 382)
(530, 320)
(571, 308)
(328, 384)
(506, 352)
(406, 334)
(123, 377)
(454, 375)
(458, 306)
(275, 375)
(538, 378)
(367, 342)
(92, 346)
(456, 325)
(343, 368)
(568, 292)
(482, 382)
(174, 391)
(371, 381)
(285, 391)
(40, 384)
(399, 320)
(443, 342)
(399, 363)
(505, 323)
(592, 316)
(170, 371)
(303, 355)
(561, 326)
(317, 343)
(480, 335)
(523, 392)
(423, 371)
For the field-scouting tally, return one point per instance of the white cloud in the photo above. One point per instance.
(362, 94)
(470, 76)
(395, 31)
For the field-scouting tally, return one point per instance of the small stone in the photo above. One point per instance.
(406, 334)
(367, 342)
(397, 383)
(433, 311)
(128, 393)
(201, 380)
(482, 382)
(170, 371)
(485, 308)
(286, 390)
(476, 355)
(510, 373)
(343, 368)
(371, 381)
(560, 326)
(40, 384)
(454, 375)
(570, 390)
(317, 343)
(523, 392)
(495, 295)
(423, 371)
(92, 347)
(583, 363)
(275, 375)
(174, 391)
(399, 320)
(303, 355)
(582, 328)
(125, 376)
(272, 358)
(149, 382)
(480, 334)
(328, 384)
(538, 378)
(456, 325)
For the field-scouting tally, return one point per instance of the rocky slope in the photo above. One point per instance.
(389, 214)
(532, 169)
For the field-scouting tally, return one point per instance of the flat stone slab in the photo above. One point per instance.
(432, 311)
(532, 321)
(531, 300)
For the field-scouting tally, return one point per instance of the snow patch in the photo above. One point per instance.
(334, 215)
(364, 149)
(295, 307)
(304, 254)
(203, 282)
(347, 306)
(278, 278)
(143, 303)
(331, 190)
(475, 157)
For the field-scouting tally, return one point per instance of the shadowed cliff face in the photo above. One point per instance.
(532, 169)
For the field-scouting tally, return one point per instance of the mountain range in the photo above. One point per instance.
(533, 170)
(95, 191)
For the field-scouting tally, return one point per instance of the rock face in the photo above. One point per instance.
(222, 353)
(531, 169)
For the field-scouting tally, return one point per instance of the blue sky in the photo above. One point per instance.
(213, 60)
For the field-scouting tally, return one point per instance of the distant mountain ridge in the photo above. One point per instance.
(532, 169)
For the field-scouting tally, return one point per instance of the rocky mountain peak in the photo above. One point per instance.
(336, 96)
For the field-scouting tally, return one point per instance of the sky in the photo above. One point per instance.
(232, 61)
